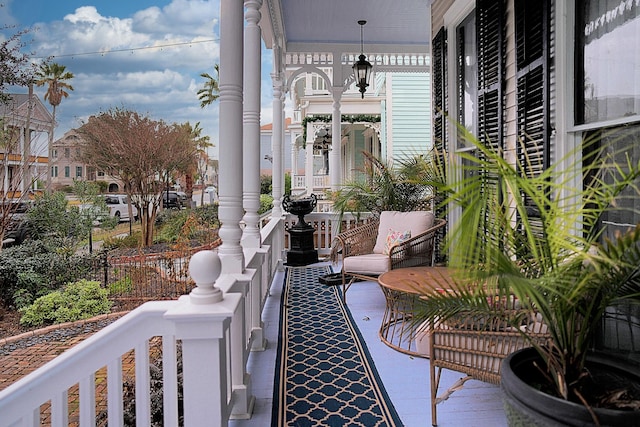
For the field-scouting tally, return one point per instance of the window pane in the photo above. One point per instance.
(468, 73)
(609, 31)
(623, 145)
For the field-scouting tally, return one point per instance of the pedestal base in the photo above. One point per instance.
(301, 258)
(302, 250)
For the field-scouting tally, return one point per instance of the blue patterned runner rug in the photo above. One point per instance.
(324, 373)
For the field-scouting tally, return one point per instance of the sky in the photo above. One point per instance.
(141, 55)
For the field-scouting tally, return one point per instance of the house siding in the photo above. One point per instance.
(410, 114)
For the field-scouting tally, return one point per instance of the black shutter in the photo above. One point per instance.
(490, 18)
(532, 40)
(532, 71)
(439, 89)
(440, 105)
(460, 56)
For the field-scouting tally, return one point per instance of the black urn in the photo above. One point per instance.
(301, 248)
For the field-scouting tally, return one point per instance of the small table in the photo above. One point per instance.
(401, 288)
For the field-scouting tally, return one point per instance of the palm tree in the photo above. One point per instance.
(55, 76)
(201, 143)
(210, 91)
(381, 186)
(550, 257)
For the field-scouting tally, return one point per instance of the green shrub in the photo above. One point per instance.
(29, 284)
(173, 225)
(122, 286)
(170, 223)
(103, 186)
(22, 298)
(208, 215)
(78, 300)
(38, 267)
(265, 184)
(133, 240)
(266, 203)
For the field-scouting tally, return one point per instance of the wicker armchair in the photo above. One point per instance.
(475, 347)
(365, 252)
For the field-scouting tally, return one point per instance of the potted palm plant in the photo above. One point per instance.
(539, 243)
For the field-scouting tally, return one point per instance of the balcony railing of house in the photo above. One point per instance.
(320, 183)
(210, 332)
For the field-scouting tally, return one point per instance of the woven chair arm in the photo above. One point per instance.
(418, 250)
(359, 240)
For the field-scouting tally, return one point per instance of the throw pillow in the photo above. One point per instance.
(394, 238)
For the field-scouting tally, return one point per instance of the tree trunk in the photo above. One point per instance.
(50, 149)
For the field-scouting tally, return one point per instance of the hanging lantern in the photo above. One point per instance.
(362, 68)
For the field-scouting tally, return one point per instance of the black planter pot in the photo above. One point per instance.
(527, 406)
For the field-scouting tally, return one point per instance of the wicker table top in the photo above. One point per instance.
(416, 280)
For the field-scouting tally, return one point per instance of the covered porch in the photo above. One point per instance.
(224, 328)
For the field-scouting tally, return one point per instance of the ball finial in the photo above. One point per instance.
(204, 269)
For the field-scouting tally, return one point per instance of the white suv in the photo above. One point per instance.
(118, 205)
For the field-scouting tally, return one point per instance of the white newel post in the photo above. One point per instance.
(230, 210)
(308, 167)
(335, 167)
(251, 137)
(277, 175)
(202, 322)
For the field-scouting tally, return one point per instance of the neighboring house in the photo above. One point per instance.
(21, 147)
(533, 78)
(67, 166)
(291, 156)
(393, 123)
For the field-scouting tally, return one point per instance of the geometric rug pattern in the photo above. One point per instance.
(324, 373)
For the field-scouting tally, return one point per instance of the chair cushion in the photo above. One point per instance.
(370, 264)
(395, 237)
(417, 222)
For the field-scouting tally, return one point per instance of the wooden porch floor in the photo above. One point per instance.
(405, 378)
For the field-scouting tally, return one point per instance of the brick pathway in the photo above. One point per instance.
(24, 353)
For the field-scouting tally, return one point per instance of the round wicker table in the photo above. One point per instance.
(402, 288)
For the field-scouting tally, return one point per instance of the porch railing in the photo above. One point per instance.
(320, 182)
(202, 346)
(326, 225)
(212, 339)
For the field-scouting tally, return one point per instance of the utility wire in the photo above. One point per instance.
(132, 49)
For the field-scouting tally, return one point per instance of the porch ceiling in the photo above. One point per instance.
(314, 25)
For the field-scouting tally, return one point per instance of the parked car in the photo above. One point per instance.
(171, 200)
(17, 227)
(184, 199)
(118, 205)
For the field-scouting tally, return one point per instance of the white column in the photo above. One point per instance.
(230, 210)
(251, 136)
(308, 167)
(335, 169)
(277, 143)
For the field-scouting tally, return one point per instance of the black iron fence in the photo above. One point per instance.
(133, 279)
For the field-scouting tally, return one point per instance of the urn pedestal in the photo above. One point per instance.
(302, 250)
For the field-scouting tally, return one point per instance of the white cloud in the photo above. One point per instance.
(149, 61)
